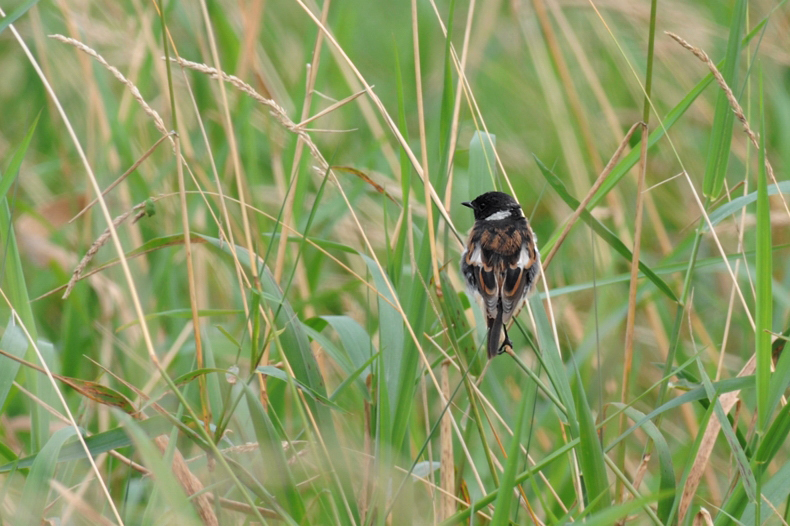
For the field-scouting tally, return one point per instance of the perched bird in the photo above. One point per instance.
(501, 262)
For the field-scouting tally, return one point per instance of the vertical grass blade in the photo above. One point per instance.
(459, 332)
(591, 461)
(721, 134)
(12, 279)
(482, 164)
(13, 342)
(506, 496)
(763, 287)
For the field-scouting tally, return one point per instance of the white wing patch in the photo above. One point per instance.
(477, 257)
(523, 258)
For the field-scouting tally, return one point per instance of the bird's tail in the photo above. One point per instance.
(495, 333)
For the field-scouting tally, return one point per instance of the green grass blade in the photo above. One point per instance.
(13, 342)
(552, 361)
(506, 496)
(776, 491)
(279, 479)
(721, 133)
(730, 207)
(16, 160)
(666, 469)
(14, 15)
(764, 292)
(482, 164)
(774, 440)
(97, 444)
(293, 339)
(605, 234)
(15, 288)
(164, 483)
(391, 335)
(356, 341)
(747, 475)
(632, 157)
(447, 105)
(398, 255)
(35, 499)
(590, 454)
(458, 329)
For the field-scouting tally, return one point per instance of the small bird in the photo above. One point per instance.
(501, 262)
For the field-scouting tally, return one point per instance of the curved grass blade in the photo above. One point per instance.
(355, 339)
(34, 500)
(605, 234)
(295, 343)
(665, 466)
(99, 443)
(730, 207)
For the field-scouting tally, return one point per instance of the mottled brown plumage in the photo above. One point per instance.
(501, 262)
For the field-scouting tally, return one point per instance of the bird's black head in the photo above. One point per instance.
(494, 206)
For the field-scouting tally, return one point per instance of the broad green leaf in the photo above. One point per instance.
(356, 340)
(390, 335)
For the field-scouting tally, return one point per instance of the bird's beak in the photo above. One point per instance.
(467, 203)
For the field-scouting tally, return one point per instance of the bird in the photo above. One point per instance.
(501, 262)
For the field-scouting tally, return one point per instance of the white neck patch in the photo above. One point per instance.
(498, 216)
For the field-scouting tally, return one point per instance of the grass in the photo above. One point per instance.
(308, 353)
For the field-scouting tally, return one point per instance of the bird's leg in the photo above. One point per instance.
(506, 343)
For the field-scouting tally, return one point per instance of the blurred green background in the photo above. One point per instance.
(344, 311)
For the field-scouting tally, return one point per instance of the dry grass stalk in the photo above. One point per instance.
(736, 107)
(100, 242)
(447, 502)
(158, 122)
(277, 111)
